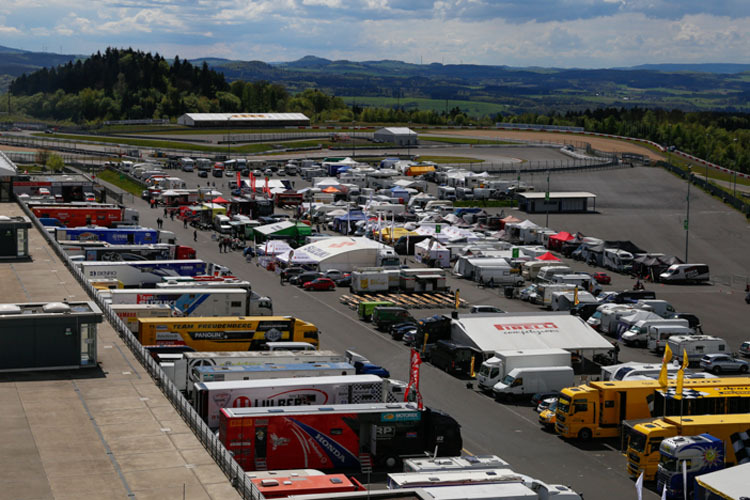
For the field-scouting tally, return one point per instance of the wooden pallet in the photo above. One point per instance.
(436, 300)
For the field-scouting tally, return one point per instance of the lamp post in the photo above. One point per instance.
(687, 216)
(229, 135)
(408, 141)
(546, 200)
(354, 144)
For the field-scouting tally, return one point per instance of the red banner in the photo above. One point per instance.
(239, 181)
(252, 182)
(265, 189)
(416, 361)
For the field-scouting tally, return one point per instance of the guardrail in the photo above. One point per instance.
(738, 203)
(215, 448)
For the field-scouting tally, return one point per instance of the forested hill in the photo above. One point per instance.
(118, 70)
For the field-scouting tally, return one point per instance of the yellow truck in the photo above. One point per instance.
(598, 409)
(228, 333)
(644, 438)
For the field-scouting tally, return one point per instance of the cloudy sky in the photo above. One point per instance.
(561, 33)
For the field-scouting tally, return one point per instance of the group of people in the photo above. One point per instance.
(225, 244)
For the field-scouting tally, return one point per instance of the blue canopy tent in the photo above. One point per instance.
(400, 193)
(343, 223)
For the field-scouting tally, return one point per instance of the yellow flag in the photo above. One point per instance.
(457, 299)
(664, 362)
(575, 296)
(681, 375)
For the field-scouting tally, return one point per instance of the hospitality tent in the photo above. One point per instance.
(346, 253)
(547, 256)
(524, 331)
(296, 258)
(274, 247)
(432, 253)
(555, 242)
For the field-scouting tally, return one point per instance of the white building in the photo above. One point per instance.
(244, 120)
(400, 136)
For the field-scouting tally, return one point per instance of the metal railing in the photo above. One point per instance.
(210, 441)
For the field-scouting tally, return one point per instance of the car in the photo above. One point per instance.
(485, 309)
(333, 274)
(203, 173)
(257, 173)
(745, 349)
(88, 196)
(302, 278)
(602, 278)
(397, 331)
(320, 284)
(548, 418)
(268, 171)
(287, 273)
(721, 363)
(345, 280)
(525, 293)
(541, 396)
(545, 404)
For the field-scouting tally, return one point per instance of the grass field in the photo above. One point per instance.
(464, 140)
(122, 182)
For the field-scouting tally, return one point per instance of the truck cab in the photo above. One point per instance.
(702, 454)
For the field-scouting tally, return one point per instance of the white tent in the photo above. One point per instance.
(432, 251)
(521, 331)
(344, 253)
(296, 258)
(274, 247)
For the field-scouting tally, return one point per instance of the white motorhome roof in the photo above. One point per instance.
(526, 331)
(730, 483)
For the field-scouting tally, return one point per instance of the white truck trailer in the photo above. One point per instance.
(198, 301)
(210, 397)
(141, 273)
(447, 464)
(498, 366)
(182, 366)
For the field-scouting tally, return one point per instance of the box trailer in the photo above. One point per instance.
(374, 279)
(336, 436)
(185, 363)
(158, 251)
(119, 235)
(137, 274)
(210, 397)
(199, 301)
(501, 363)
(75, 216)
(130, 313)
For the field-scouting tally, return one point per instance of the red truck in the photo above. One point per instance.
(336, 437)
(86, 214)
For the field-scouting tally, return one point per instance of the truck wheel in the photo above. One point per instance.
(390, 462)
(584, 434)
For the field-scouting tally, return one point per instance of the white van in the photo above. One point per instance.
(696, 346)
(547, 272)
(685, 273)
(186, 164)
(222, 224)
(526, 381)
(658, 335)
(637, 334)
(660, 307)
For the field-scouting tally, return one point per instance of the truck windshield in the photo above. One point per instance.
(669, 463)
(484, 370)
(638, 441)
(563, 404)
(508, 380)
(597, 315)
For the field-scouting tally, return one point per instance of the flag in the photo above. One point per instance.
(239, 181)
(575, 296)
(457, 300)
(681, 375)
(684, 477)
(664, 493)
(415, 362)
(663, 374)
(639, 486)
(265, 188)
(252, 182)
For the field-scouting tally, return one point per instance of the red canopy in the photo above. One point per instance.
(219, 199)
(547, 256)
(331, 189)
(563, 236)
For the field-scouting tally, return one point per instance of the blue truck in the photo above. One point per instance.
(697, 454)
(119, 235)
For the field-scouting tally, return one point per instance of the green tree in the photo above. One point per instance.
(55, 162)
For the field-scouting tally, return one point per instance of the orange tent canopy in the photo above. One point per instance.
(547, 256)
(331, 189)
(219, 199)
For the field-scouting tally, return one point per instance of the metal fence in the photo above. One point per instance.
(210, 441)
(736, 202)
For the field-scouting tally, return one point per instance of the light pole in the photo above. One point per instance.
(546, 200)
(408, 141)
(687, 216)
(354, 144)
(229, 135)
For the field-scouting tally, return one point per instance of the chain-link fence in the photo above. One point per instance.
(736, 202)
(210, 441)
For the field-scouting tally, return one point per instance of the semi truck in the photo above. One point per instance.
(700, 455)
(230, 333)
(210, 397)
(199, 301)
(180, 370)
(336, 436)
(129, 313)
(268, 371)
(119, 235)
(447, 464)
(141, 273)
(598, 409)
(158, 251)
(501, 363)
(86, 215)
(645, 438)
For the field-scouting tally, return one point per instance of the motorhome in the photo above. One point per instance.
(546, 273)
(618, 260)
(638, 333)
(660, 307)
(696, 346)
(658, 335)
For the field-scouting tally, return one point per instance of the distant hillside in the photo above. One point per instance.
(519, 90)
(15, 62)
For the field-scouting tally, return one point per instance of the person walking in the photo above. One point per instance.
(616, 353)
(184, 223)
(158, 222)
(165, 211)
(195, 235)
(221, 246)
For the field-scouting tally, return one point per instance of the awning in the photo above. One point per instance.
(219, 199)
(547, 256)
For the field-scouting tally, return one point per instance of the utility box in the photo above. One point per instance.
(14, 238)
(48, 336)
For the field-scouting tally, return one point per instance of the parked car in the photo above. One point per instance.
(203, 173)
(333, 274)
(548, 418)
(385, 316)
(545, 404)
(602, 278)
(289, 272)
(345, 280)
(720, 363)
(525, 293)
(302, 278)
(410, 336)
(745, 349)
(541, 396)
(87, 196)
(485, 309)
(397, 331)
(320, 284)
